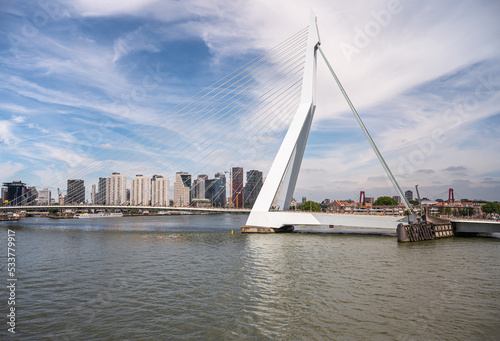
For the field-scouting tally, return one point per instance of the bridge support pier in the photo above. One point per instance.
(261, 229)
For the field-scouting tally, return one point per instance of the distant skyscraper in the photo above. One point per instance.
(397, 198)
(118, 189)
(44, 197)
(198, 190)
(210, 190)
(75, 192)
(103, 191)
(15, 193)
(160, 191)
(219, 193)
(182, 189)
(32, 196)
(252, 187)
(139, 190)
(93, 195)
(409, 195)
(4, 193)
(237, 184)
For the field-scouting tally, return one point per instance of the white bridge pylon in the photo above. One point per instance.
(279, 185)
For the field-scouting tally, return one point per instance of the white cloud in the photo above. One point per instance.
(36, 126)
(97, 8)
(9, 169)
(18, 119)
(137, 40)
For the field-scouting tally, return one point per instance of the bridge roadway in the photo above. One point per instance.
(112, 207)
(475, 226)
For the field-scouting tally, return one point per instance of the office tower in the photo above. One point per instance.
(4, 194)
(252, 187)
(160, 191)
(198, 189)
(182, 189)
(32, 196)
(139, 190)
(117, 189)
(210, 190)
(14, 193)
(397, 198)
(44, 197)
(219, 190)
(409, 195)
(237, 184)
(103, 191)
(75, 192)
(93, 195)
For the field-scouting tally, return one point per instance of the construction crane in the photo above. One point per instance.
(60, 198)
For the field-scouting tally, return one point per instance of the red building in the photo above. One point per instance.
(237, 187)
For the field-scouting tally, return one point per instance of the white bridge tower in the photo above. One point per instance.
(271, 209)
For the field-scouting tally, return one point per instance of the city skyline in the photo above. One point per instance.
(424, 77)
(156, 190)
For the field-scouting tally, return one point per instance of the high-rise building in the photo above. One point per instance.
(139, 190)
(219, 190)
(198, 189)
(182, 189)
(75, 192)
(210, 190)
(252, 187)
(44, 197)
(397, 198)
(409, 195)
(160, 191)
(103, 191)
(14, 193)
(117, 189)
(32, 196)
(4, 194)
(237, 184)
(93, 195)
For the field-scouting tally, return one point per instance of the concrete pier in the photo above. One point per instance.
(427, 229)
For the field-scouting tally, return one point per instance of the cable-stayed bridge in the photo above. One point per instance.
(259, 116)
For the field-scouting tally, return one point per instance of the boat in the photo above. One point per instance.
(97, 215)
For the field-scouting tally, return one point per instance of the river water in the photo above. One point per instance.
(188, 277)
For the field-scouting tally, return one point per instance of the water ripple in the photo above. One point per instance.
(148, 281)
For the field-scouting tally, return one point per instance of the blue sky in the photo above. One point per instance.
(424, 75)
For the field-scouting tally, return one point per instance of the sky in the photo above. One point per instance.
(78, 76)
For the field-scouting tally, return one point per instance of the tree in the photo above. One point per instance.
(414, 202)
(491, 207)
(310, 206)
(385, 201)
(466, 212)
